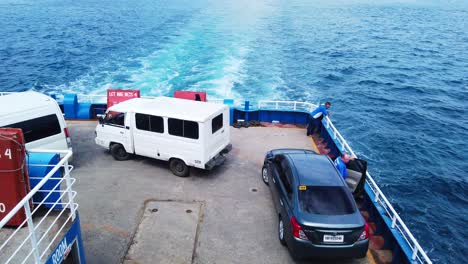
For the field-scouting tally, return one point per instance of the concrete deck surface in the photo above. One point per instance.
(236, 222)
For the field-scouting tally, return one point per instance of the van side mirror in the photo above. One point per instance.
(101, 119)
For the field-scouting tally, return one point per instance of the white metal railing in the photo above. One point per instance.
(381, 199)
(286, 105)
(92, 98)
(216, 101)
(44, 230)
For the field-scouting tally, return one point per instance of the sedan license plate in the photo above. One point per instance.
(333, 239)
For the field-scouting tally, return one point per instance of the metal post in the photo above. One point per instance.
(295, 103)
(376, 197)
(415, 253)
(69, 190)
(32, 233)
(393, 221)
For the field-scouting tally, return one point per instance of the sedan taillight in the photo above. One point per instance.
(365, 233)
(297, 230)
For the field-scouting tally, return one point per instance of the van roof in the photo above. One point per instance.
(17, 102)
(171, 107)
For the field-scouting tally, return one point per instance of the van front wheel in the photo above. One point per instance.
(118, 152)
(179, 168)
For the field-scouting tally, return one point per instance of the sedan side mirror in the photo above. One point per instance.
(269, 156)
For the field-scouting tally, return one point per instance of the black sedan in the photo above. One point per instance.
(317, 215)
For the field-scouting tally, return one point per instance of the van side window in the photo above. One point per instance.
(149, 123)
(217, 123)
(156, 124)
(115, 118)
(39, 128)
(183, 128)
(176, 127)
(142, 122)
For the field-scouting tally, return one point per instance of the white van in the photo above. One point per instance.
(40, 118)
(186, 133)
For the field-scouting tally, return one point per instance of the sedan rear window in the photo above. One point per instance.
(325, 200)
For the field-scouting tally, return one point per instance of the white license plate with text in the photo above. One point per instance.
(333, 239)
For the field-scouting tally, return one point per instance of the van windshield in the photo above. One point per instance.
(325, 200)
(114, 118)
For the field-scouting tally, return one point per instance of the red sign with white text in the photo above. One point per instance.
(189, 95)
(115, 96)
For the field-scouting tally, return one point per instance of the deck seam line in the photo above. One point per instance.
(201, 216)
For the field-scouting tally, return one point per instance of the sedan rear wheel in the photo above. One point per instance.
(265, 175)
(281, 232)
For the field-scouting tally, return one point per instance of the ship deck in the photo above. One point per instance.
(137, 211)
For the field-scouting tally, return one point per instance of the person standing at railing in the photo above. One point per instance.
(315, 118)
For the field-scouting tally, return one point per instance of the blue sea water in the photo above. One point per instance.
(396, 73)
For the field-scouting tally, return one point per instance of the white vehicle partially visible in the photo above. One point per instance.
(40, 118)
(186, 133)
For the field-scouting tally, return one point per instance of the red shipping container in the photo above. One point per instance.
(115, 96)
(195, 96)
(14, 180)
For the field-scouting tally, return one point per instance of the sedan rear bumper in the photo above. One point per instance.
(305, 249)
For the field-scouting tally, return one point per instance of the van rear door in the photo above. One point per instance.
(217, 134)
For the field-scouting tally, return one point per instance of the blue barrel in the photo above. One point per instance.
(37, 173)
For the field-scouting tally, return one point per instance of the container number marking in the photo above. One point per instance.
(7, 153)
(2, 208)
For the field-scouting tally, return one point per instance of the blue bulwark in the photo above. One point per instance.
(70, 105)
(84, 111)
(282, 116)
(71, 246)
